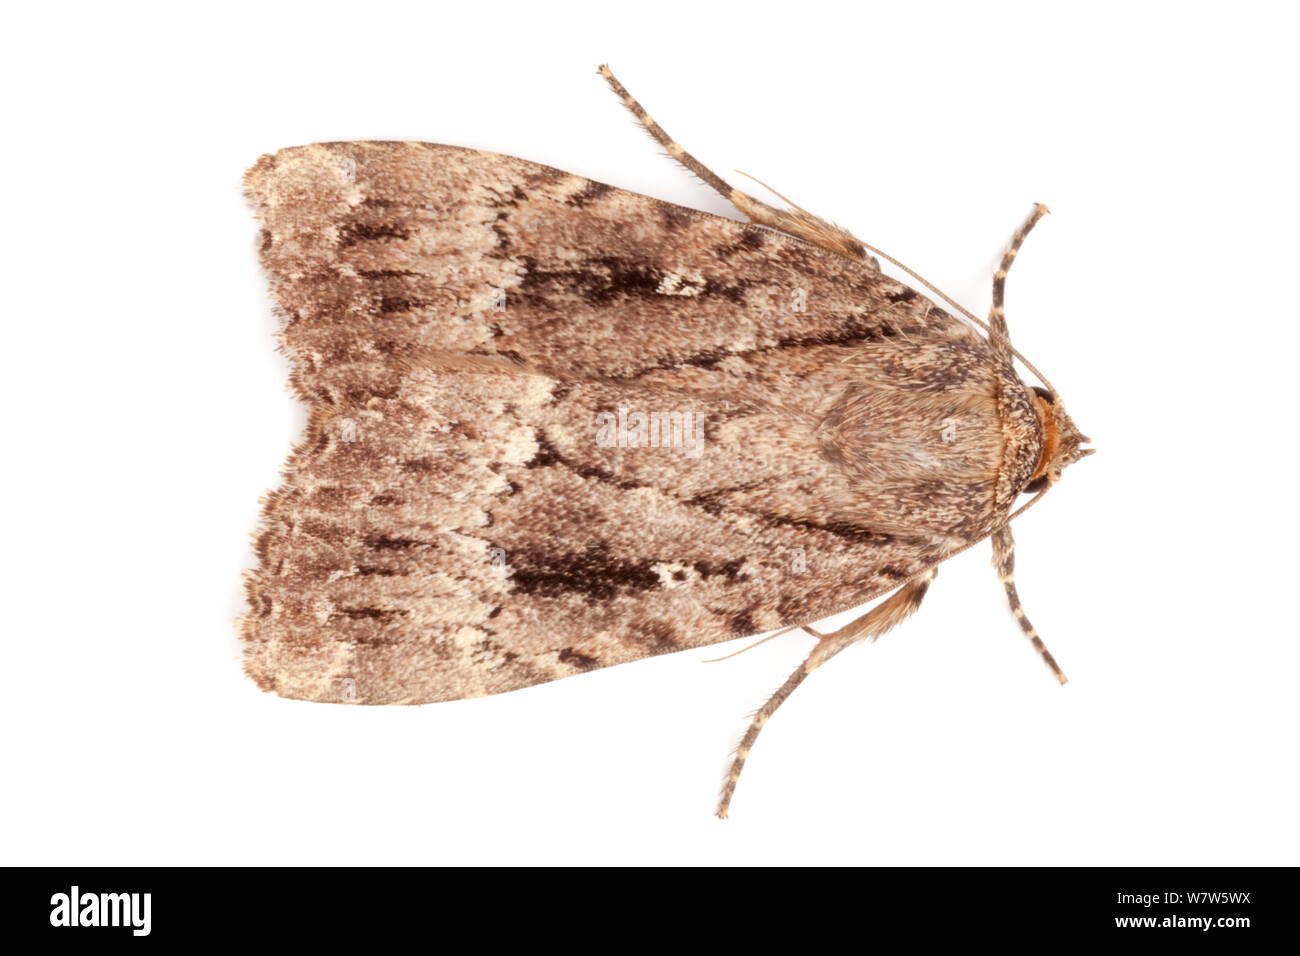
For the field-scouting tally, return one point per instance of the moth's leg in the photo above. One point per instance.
(1004, 559)
(893, 610)
(797, 223)
(999, 336)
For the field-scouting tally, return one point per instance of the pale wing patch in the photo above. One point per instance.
(674, 283)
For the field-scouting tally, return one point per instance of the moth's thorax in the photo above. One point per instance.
(1025, 436)
(940, 460)
(890, 435)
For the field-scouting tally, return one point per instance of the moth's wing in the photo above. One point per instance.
(448, 529)
(436, 248)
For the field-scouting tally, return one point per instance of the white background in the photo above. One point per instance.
(146, 411)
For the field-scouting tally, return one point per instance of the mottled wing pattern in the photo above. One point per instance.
(452, 524)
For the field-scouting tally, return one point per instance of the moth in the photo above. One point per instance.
(555, 426)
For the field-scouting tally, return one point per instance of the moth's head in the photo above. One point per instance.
(1062, 441)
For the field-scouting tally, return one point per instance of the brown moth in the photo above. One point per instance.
(555, 426)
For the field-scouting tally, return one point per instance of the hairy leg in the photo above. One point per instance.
(1004, 559)
(892, 611)
(796, 222)
(999, 336)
